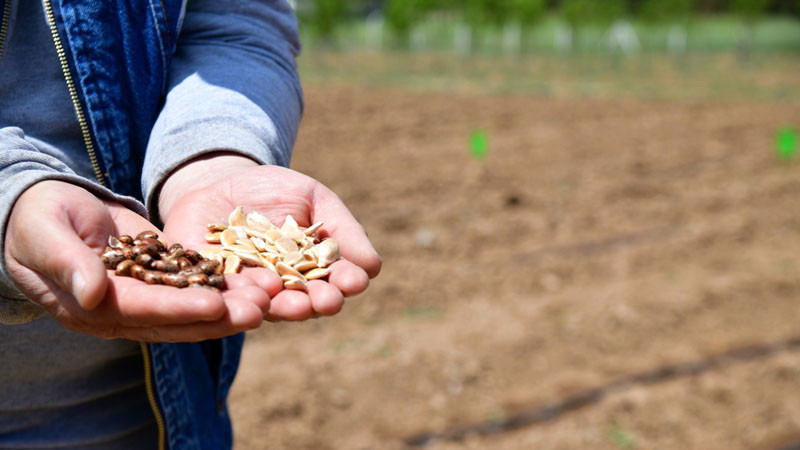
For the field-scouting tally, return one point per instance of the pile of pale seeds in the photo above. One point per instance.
(148, 258)
(293, 252)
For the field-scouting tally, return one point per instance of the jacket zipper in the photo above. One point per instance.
(4, 25)
(73, 93)
(87, 139)
(148, 382)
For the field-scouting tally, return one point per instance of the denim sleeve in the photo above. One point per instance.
(21, 166)
(233, 86)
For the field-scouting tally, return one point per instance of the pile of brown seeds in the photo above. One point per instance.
(293, 252)
(148, 258)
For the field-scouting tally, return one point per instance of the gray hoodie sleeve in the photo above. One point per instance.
(233, 86)
(21, 166)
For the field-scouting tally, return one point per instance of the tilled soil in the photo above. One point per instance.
(614, 274)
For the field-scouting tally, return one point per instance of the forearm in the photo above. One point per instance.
(233, 88)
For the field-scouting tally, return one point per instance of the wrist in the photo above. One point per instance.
(197, 174)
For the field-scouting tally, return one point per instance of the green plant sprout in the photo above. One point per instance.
(478, 144)
(621, 437)
(786, 143)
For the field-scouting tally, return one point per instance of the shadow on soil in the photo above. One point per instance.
(547, 413)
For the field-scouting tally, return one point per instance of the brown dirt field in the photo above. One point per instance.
(600, 241)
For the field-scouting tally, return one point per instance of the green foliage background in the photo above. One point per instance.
(323, 17)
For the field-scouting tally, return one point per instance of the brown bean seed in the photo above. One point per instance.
(112, 257)
(208, 266)
(165, 265)
(175, 280)
(198, 278)
(147, 234)
(144, 259)
(137, 271)
(193, 256)
(141, 249)
(184, 263)
(153, 277)
(216, 280)
(124, 268)
(154, 244)
(176, 252)
(190, 271)
(125, 239)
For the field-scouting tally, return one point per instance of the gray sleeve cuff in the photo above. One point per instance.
(224, 120)
(22, 166)
(233, 87)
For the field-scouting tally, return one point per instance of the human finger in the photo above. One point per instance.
(242, 315)
(290, 305)
(349, 278)
(326, 299)
(242, 287)
(131, 302)
(266, 279)
(340, 223)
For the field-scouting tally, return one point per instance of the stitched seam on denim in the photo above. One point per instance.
(166, 24)
(179, 23)
(171, 386)
(160, 43)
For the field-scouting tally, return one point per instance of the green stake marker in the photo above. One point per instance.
(786, 143)
(478, 144)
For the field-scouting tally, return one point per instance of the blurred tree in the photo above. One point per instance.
(528, 13)
(402, 15)
(666, 10)
(750, 11)
(480, 13)
(676, 13)
(580, 13)
(325, 17)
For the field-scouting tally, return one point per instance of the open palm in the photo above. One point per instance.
(55, 263)
(277, 192)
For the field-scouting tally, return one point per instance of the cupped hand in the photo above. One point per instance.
(54, 236)
(207, 190)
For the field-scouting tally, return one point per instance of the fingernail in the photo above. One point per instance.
(78, 286)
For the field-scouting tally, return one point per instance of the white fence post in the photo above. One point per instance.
(419, 38)
(677, 39)
(512, 38)
(374, 31)
(463, 39)
(563, 38)
(623, 36)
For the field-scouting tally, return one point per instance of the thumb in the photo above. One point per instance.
(57, 246)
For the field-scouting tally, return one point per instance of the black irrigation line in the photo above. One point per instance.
(547, 413)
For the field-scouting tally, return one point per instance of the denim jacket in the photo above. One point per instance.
(118, 58)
